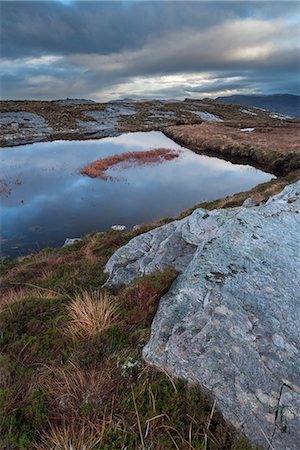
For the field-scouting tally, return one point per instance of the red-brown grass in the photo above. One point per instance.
(274, 148)
(141, 298)
(100, 166)
(91, 313)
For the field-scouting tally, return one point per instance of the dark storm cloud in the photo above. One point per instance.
(102, 27)
(103, 49)
(32, 28)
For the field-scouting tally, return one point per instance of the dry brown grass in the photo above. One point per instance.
(76, 395)
(11, 295)
(91, 313)
(41, 266)
(78, 436)
(72, 388)
(90, 247)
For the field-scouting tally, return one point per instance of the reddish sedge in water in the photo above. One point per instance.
(99, 167)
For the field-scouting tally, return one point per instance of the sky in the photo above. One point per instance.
(163, 49)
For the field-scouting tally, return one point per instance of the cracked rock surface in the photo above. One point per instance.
(105, 122)
(231, 319)
(22, 124)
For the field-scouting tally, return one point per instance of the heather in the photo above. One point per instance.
(72, 373)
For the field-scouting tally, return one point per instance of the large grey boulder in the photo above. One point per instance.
(170, 246)
(231, 320)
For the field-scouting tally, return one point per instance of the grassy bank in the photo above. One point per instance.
(72, 375)
(260, 193)
(274, 148)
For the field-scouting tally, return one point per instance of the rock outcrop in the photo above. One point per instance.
(105, 123)
(21, 124)
(231, 319)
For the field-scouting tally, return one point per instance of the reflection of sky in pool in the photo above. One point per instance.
(55, 202)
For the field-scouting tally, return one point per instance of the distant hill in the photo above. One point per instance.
(281, 103)
(73, 101)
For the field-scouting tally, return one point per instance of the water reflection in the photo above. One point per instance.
(54, 201)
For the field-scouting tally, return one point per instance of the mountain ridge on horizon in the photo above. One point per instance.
(288, 104)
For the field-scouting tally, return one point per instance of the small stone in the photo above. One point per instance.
(247, 130)
(71, 241)
(249, 202)
(118, 227)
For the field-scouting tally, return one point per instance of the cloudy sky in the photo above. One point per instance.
(162, 49)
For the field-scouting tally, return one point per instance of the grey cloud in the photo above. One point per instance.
(97, 27)
(30, 28)
(95, 49)
(243, 44)
(268, 83)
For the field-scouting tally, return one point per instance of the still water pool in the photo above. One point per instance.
(48, 200)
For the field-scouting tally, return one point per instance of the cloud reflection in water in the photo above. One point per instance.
(55, 202)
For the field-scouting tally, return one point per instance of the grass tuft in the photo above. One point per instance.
(85, 436)
(91, 313)
(75, 392)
